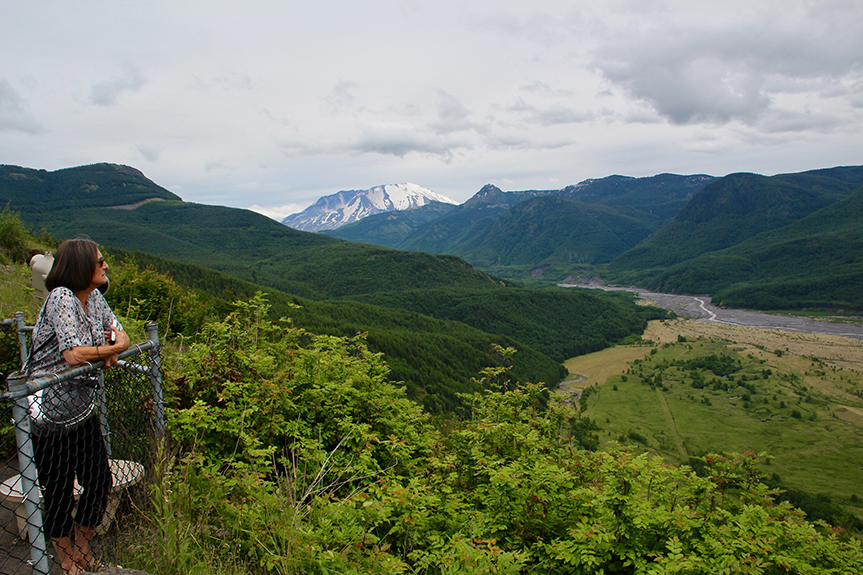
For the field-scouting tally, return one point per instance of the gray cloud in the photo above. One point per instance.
(214, 164)
(453, 116)
(520, 106)
(397, 141)
(13, 113)
(341, 100)
(342, 93)
(555, 115)
(642, 117)
(149, 153)
(718, 75)
(542, 87)
(230, 81)
(686, 84)
(798, 121)
(552, 115)
(499, 142)
(106, 93)
(449, 132)
(400, 143)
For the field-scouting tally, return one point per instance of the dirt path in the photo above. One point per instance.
(678, 441)
(136, 205)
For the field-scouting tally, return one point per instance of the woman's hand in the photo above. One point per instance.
(121, 343)
(106, 353)
(121, 340)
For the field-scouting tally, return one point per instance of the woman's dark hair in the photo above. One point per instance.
(74, 263)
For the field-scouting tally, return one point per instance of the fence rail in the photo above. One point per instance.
(131, 413)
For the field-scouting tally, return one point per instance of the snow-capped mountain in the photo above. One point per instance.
(346, 206)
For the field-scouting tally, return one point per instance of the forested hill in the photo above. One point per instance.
(779, 242)
(434, 340)
(464, 221)
(738, 207)
(815, 262)
(238, 242)
(548, 233)
(97, 185)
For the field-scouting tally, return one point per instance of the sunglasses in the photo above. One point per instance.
(100, 262)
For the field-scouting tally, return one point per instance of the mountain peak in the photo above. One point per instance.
(488, 189)
(347, 206)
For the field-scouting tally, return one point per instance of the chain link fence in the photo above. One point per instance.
(129, 421)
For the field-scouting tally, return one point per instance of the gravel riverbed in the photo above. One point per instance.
(701, 308)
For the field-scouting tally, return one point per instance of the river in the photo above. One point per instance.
(701, 308)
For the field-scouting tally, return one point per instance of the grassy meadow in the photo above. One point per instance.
(796, 397)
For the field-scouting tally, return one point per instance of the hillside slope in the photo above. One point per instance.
(436, 340)
(552, 231)
(735, 208)
(655, 199)
(390, 229)
(464, 221)
(815, 262)
(97, 185)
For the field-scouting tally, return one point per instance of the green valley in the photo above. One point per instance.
(387, 424)
(434, 317)
(798, 399)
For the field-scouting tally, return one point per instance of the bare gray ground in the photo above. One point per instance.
(700, 308)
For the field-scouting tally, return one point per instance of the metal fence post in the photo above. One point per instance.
(103, 412)
(22, 337)
(27, 464)
(156, 378)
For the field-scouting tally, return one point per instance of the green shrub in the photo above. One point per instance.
(301, 458)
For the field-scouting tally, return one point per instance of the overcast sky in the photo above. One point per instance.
(272, 104)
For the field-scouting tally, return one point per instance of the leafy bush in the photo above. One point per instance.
(254, 390)
(720, 364)
(301, 458)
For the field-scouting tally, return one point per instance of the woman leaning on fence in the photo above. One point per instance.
(73, 327)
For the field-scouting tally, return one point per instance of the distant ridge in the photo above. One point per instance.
(788, 241)
(348, 206)
(94, 186)
(514, 234)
